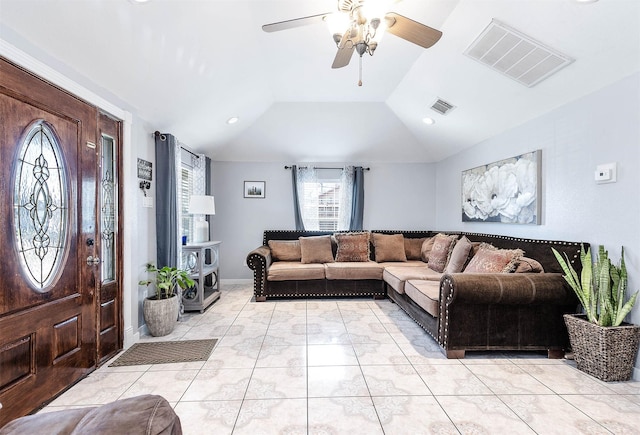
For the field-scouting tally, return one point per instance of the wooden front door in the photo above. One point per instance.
(48, 161)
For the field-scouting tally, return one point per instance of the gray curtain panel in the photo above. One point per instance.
(166, 201)
(296, 201)
(357, 209)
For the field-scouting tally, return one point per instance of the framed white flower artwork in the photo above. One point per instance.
(505, 191)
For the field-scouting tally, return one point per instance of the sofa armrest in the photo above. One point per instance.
(259, 261)
(505, 288)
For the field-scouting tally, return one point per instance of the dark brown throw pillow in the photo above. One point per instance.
(285, 250)
(439, 254)
(316, 249)
(413, 248)
(352, 246)
(389, 247)
(490, 259)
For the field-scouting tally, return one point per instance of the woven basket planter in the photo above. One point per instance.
(607, 353)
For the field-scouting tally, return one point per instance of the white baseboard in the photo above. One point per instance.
(130, 337)
(236, 281)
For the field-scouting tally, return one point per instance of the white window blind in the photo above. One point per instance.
(186, 190)
(321, 205)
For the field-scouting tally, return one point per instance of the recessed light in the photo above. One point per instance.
(429, 121)
(233, 120)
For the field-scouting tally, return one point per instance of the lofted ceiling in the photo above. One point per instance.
(186, 66)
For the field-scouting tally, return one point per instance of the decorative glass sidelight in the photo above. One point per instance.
(41, 207)
(108, 209)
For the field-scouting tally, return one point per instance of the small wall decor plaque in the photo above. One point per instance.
(505, 191)
(144, 169)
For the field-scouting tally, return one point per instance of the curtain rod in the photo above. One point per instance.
(317, 167)
(157, 133)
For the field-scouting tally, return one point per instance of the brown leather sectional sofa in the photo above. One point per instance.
(459, 304)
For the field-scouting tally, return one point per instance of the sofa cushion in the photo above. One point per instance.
(441, 250)
(459, 256)
(490, 259)
(426, 294)
(295, 270)
(389, 247)
(413, 248)
(352, 246)
(529, 265)
(425, 249)
(316, 249)
(396, 276)
(285, 250)
(354, 270)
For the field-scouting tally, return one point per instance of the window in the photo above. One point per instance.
(325, 198)
(185, 192)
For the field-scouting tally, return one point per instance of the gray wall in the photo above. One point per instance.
(601, 128)
(397, 196)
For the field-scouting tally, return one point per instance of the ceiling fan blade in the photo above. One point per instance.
(343, 56)
(412, 31)
(296, 22)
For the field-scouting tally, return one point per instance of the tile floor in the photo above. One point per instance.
(356, 367)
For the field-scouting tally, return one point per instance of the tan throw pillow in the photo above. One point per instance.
(529, 265)
(285, 250)
(413, 248)
(389, 247)
(425, 249)
(490, 259)
(459, 256)
(316, 249)
(439, 254)
(352, 246)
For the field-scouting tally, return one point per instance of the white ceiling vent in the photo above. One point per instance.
(516, 55)
(442, 107)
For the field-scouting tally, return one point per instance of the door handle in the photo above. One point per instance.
(92, 261)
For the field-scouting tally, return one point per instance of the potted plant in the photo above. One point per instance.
(604, 345)
(161, 309)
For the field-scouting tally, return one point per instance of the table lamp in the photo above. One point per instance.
(201, 205)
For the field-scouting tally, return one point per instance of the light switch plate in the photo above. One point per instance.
(606, 173)
(147, 201)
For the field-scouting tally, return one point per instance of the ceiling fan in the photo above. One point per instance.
(358, 25)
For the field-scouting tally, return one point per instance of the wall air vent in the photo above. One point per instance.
(442, 107)
(516, 55)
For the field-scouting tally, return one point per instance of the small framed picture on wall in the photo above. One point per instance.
(254, 189)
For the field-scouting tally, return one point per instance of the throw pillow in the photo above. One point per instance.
(440, 252)
(490, 259)
(285, 250)
(413, 248)
(529, 265)
(316, 249)
(389, 247)
(459, 256)
(426, 247)
(352, 246)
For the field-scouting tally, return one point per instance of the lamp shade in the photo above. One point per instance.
(202, 204)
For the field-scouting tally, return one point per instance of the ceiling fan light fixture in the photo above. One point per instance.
(233, 120)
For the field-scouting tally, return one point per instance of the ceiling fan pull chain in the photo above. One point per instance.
(360, 76)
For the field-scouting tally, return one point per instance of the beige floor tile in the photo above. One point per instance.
(272, 416)
(98, 389)
(413, 415)
(221, 384)
(278, 383)
(394, 380)
(282, 356)
(214, 417)
(563, 379)
(336, 381)
(482, 415)
(228, 357)
(508, 379)
(331, 355)
(343, 415)
(170, 384)
(384, 353)
(550, 414)
(449, 379)
(617, 414)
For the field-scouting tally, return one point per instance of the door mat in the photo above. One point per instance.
(165, 352)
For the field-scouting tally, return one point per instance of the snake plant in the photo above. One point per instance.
(601, 286)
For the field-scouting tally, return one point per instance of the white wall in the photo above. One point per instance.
(600, 128)
(397, 196)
